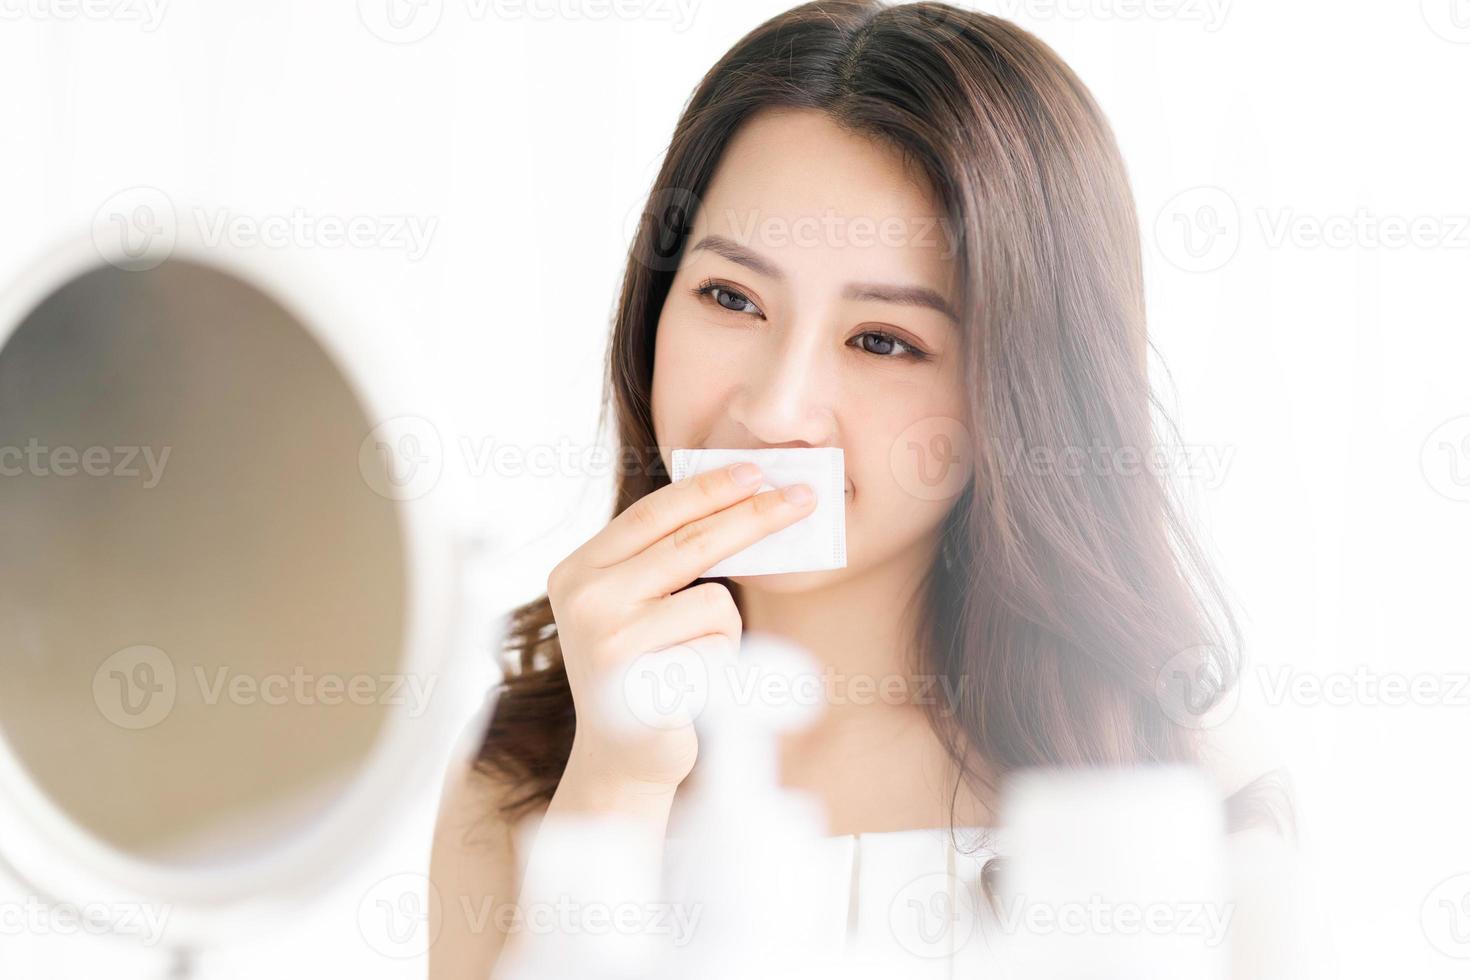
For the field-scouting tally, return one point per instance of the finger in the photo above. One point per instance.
(679, 558)
(707, 608)
(665, 510)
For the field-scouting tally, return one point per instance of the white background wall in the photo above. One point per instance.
(1278, 152)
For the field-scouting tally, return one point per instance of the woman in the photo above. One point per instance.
(905, 231)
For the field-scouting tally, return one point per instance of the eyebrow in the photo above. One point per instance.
(872, 291)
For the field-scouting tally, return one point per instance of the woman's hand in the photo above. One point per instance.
(615, 599)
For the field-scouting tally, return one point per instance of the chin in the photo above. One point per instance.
(787, 582)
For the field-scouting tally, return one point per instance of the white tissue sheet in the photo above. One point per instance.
(817, 542)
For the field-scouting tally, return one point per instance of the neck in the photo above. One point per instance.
(861, 630)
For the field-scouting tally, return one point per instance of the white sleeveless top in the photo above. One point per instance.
(906, 900)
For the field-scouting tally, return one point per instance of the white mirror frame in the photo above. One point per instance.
(445, 626)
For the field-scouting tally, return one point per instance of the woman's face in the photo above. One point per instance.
(803, 313)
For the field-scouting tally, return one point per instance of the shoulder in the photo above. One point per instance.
(473, 873)
(469, 816)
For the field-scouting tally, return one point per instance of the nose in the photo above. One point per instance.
(786, 399)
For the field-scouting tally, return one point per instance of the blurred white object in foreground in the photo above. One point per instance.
(746, 832)
(1115, 874)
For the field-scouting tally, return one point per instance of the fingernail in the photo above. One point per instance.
(746, 474)
(797, 493)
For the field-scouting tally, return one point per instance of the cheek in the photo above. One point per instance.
(912, 466)
(691, 372)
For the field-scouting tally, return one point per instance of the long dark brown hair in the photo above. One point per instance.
(1061, 596)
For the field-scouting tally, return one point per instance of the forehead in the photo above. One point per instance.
(820, 200)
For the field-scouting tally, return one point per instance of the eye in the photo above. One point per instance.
(887, 344)
(731, 300)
